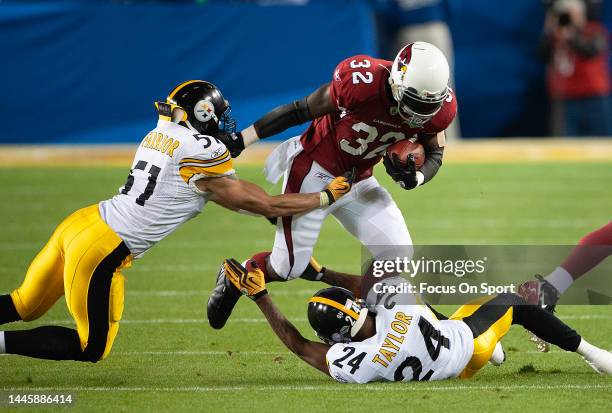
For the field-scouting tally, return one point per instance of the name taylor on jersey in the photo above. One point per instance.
(393, 339)
(410, 343)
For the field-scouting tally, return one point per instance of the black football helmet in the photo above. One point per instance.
(335, 315)
(207, 111)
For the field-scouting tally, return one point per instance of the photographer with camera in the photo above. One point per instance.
(578, 75)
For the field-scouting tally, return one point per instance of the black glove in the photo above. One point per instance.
(405, 176)
(232, 141)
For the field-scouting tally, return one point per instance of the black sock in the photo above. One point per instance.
(8, 312)
(545, 325)
(49, 342)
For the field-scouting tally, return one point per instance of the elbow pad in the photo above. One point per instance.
(283, 118)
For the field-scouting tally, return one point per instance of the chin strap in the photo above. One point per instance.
(363, 314)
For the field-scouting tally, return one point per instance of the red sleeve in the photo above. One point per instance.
(445, 116)
(353, 82)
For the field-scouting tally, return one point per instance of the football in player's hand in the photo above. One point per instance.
(406, 147)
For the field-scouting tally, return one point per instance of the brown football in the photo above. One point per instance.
(407, 147)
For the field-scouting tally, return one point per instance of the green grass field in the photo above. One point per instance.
(167, 358)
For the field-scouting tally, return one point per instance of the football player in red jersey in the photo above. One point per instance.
(592, 249)
(369, 105)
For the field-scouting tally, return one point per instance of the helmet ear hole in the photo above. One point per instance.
(204, 111)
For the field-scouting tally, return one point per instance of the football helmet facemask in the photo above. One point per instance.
(336, 315)
(419, 82)
(206, 109)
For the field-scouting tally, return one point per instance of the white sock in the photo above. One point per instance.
(2, 345)
(586, 349)
(560, 279)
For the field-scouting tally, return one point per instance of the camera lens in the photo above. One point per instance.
(565, 19)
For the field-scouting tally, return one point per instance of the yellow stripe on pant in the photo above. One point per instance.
(82, 260)
(484, 344)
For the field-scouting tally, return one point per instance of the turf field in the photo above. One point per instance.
(167, 358)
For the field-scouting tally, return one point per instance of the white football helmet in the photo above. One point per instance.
(419, 82)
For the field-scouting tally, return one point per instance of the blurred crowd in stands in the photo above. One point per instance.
(575, 46)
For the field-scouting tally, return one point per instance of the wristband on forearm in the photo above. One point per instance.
(259, 295)
(249, 136)
(324, 198)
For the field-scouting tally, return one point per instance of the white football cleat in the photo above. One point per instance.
(599, 359)
(498, 356)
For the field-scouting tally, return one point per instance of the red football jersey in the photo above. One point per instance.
(367, 121)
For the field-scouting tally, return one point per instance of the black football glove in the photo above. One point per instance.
(232, 141)
(405, 176)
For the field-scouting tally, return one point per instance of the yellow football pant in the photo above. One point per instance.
(82, 260)
(492, 321)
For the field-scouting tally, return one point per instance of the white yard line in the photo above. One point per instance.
(181, 293)
(282, 353)
(310, 388)
(232, 353)
(263, 320)
(203, 353)
(177, 321)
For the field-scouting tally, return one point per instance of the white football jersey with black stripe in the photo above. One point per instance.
(410, 344)
(160, 193)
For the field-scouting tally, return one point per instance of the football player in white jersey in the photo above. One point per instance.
(395, 338)
(177, 168)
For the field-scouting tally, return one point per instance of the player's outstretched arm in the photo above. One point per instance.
(237, 194)
(253, 285)
(311, 352)
(279, 119)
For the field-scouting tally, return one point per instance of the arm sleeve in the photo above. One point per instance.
(282, 118)
(433, 162)
(441, 121)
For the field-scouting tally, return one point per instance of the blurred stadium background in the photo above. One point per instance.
(79, 79)
(89, 71)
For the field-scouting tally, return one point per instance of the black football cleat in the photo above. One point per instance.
(539, 292)
(222, 301)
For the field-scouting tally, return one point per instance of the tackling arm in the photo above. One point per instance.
(279, 119)
(311, 352)
(236, 194)
(253, 285)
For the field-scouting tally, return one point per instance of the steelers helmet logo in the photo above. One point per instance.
(204, 110)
